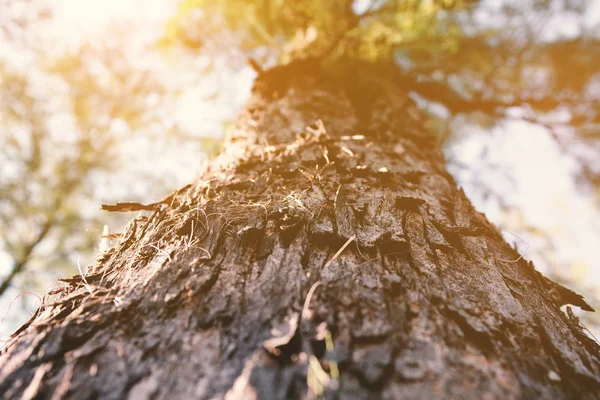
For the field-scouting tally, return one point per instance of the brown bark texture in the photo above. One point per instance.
(325, 253)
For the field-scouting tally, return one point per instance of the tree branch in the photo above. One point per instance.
(268, 19)
(442, 93)
(351, 25)
(19, 265)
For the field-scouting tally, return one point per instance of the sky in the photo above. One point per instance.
(542, 180)
(542, 190)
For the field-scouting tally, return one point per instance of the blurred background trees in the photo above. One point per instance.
(82, 121)
(123, 100)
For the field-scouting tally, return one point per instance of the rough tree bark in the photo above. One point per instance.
(327, 185)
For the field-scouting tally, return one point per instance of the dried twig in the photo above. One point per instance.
(133, 206)
(337, 254)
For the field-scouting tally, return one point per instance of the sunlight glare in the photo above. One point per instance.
(85, 17)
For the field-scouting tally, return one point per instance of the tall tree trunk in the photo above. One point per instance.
(326, 252)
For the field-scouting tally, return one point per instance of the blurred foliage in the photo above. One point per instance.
(66, 115)
(314, 28)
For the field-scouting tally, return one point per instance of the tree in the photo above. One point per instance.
(325, 252)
